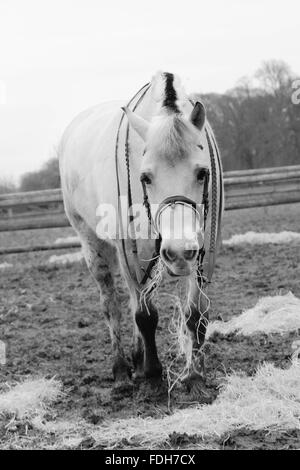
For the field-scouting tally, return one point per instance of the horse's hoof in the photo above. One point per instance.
(121, 370)
(138, 374)
(153, 389)
(122, 389)
(195, 385)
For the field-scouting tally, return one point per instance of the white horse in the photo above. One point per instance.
(158, 151)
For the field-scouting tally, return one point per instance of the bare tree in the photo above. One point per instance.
(256, 123)
(274, 76)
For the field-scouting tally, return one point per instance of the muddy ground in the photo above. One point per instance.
(50, 320)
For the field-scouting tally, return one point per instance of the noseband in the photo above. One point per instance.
(172, 201)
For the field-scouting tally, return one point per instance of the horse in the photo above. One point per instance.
(157, 152)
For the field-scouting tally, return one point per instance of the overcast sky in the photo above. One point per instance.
(58, 57)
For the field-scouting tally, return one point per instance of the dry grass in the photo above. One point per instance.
(277, 314)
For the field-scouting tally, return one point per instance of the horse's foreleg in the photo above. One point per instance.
(145, 357)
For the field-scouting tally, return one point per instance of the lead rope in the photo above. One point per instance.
(214, 198)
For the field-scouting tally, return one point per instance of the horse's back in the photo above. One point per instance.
(86, 144)
(86, 129)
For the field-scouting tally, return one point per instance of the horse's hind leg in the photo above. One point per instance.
(102, 260)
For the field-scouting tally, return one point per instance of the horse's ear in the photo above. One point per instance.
(139, 124)
(198, 115)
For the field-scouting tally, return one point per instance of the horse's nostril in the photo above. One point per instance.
(169, 254)
(189, 255)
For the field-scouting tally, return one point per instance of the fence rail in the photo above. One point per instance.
(243, 190)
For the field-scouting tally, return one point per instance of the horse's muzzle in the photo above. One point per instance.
(179, 257)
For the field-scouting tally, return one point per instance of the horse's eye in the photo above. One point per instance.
(146, 178)
(201, 174)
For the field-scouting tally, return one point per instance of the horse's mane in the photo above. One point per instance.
(172, 137)
(171, 134)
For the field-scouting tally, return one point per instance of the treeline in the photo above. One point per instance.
(256, 125)
(46, 178)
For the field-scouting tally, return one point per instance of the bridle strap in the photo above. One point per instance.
(138, 278)
(137, 267)
(142, 90)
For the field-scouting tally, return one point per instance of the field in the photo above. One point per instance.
(50, 320)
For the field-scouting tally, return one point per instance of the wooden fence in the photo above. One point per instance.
(243, 189)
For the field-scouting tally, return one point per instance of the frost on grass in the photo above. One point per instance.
(66, 258)
(268, 400)
(261, 238)
(277, 314)
(29, 399)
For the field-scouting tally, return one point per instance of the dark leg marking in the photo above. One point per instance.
(138, 355)
(196, 323)
(147, 320)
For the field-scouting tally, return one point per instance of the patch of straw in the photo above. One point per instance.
(6, 265)
(262, 238)
(272, 314)
(30, 398)
(268, 400)
(67, 258)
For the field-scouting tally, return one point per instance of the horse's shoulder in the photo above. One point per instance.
(91, 117)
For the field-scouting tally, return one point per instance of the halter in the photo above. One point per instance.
(153, 224)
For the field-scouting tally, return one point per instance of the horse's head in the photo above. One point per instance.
(175, 173)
